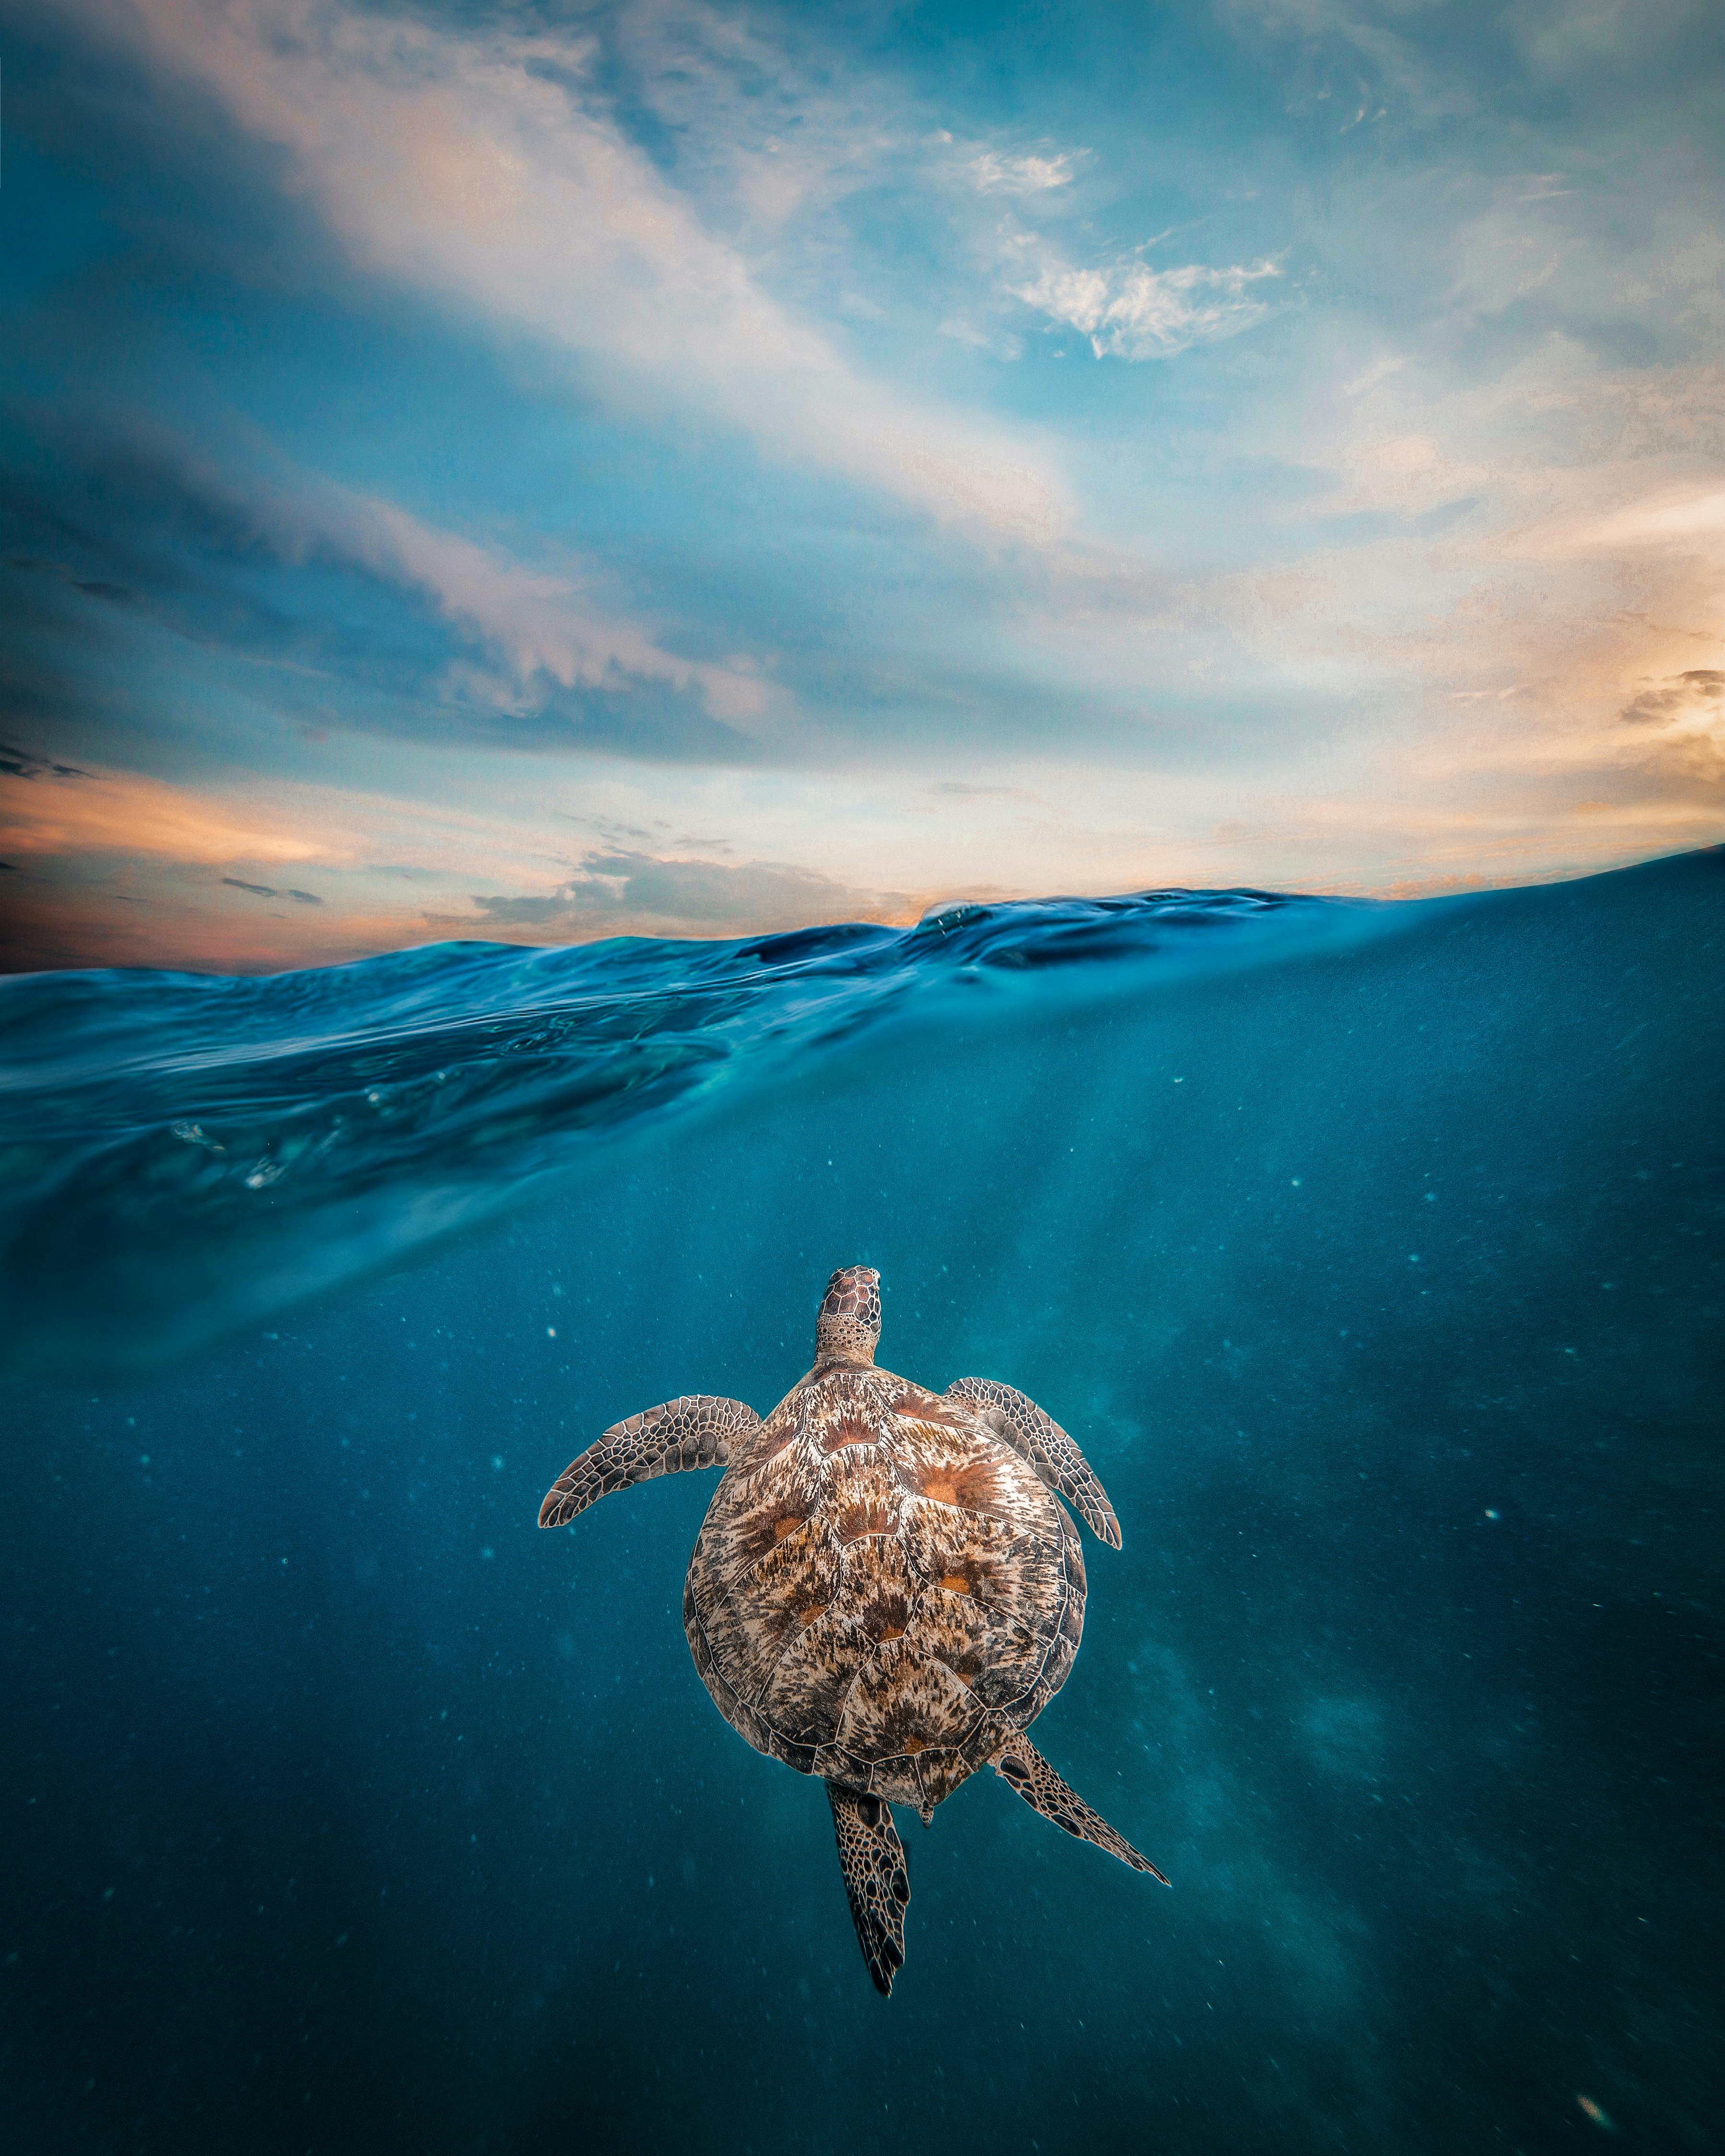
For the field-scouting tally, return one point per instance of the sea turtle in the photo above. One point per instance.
(886, 1591)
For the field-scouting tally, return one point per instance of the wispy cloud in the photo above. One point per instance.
(523, 626)
(483, 166)
(1128, 310)
(24, 763)
(1028, 172)
(540, 619)
(269, 891)
(768, 133)
(127, 814)
(1352, 64)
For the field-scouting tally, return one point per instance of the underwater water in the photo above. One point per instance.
(1372, 1254)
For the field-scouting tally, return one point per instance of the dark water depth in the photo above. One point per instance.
(1373, 1255)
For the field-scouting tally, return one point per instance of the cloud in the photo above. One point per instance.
(21, 764)
(996, 172)
(1686, 518)
(1349, 67)
(1680, 731)
(1561, 39)
(767, 131)
(526, 628)
(1699, 692)
(125, 813)
(482, 165)
(539, 618)
(1130, 312)
(267, 890)
(619, 893)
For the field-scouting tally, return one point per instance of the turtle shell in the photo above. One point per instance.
(882, 1590)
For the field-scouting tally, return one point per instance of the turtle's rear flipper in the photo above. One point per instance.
(875, 1878)
(1023, 1766)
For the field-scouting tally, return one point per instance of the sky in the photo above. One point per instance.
(537, 473)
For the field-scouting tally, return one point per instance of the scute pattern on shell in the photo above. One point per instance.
(883, 1590)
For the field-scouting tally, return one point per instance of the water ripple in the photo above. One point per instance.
(180, 1153)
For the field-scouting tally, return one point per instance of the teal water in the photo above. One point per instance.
(1372, 1254)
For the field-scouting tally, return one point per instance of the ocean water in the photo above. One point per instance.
(1371, 1253)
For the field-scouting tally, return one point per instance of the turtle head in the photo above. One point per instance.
(849, 1321)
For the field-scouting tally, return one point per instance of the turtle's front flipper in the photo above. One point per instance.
(1020, 1764)
(1041, 1440)
(875, 1878)
(697, 1431)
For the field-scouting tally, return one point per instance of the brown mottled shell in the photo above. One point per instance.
(882, 1590)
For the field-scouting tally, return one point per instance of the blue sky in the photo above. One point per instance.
(674, 469)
